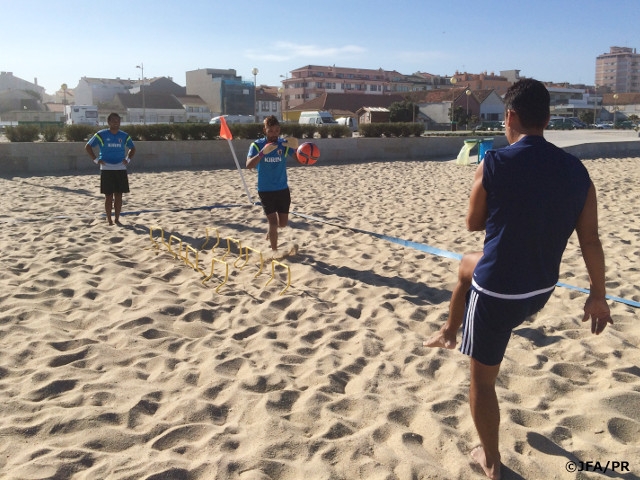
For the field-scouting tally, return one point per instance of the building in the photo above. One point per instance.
(486, 81)
(94, 91)
(267, 103)
(17, 94)
(196, 109)
(619, 70)
(222, 90)
(341, 104)
(312, 81)
(156, 108)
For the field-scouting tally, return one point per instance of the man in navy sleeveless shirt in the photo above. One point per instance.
(529, 197)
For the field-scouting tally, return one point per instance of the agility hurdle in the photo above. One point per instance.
(273, 274)
(207, 239)
(226, 273)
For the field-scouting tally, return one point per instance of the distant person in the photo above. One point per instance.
(116, 151)
(268, 155)
(529, 197)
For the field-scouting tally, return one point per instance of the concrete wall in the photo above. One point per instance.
(65, 157)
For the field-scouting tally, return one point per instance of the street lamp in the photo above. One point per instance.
(255, 91)
(468, 94)
(595, 105)
(615, 108)
(144, 106)
(453, 81)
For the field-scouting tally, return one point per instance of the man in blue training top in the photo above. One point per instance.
(529, 197)
(269, 156)
(116, 151)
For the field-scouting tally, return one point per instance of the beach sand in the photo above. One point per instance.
(118, 362)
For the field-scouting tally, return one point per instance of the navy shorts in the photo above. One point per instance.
(114, 181)
(488, 322)
(278, 201)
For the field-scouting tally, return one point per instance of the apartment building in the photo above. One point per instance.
(619, 70)
(312, 81)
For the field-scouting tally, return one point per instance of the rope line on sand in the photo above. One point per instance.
(444, 253)
(400, 241)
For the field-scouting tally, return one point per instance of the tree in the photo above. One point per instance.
(404, 111)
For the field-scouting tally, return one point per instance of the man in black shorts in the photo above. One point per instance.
(116, 151)
(269, 156)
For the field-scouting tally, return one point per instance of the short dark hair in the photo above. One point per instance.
(271, 121)
(530, 99)
(112, 115)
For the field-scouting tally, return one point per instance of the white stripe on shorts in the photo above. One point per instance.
(466, 346)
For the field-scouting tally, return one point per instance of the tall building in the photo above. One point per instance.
(619, 70)
(224, 92)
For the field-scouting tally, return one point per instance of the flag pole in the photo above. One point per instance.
(246, 189)
(226, 134)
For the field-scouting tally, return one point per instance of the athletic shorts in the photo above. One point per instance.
(114, 181)
(278, 201)
(488, 322)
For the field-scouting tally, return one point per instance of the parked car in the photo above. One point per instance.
(561, 124)
(625, 125)
(492, 126)
(577, 122)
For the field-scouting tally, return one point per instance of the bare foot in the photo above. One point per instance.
(110, 221)
(118, 223)
(478, 455)
(440, 340)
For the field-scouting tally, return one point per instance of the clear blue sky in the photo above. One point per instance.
(552, 40)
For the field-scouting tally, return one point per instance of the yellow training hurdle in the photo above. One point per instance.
(195, 265)
(226, 272)
(273, 274)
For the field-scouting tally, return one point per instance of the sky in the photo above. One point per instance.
(550, 40)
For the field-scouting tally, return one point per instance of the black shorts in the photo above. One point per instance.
(278, 201)
(114, 181)
(488, 322)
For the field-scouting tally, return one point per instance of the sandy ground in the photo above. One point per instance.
(117, 361)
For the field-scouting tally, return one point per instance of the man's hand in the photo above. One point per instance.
(598, 310)
(291, 142)
(268, 148)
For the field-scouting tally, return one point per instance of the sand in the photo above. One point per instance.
(118, 362)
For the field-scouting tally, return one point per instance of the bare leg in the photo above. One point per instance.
(446, 336)
(108, 204)
(486, 417)
(117, 205)
(272, 233)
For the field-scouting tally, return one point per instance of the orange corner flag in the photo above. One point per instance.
(224, 129)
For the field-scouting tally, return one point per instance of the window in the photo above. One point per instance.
(265, 106)
(274, 106)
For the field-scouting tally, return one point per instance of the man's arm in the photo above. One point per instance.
(596, 305)
(130, 155)
(477, 213)
(91, 153)
(252, 162)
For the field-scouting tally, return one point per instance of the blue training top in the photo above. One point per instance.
(272, 168)
(535, 194)
(113, 147)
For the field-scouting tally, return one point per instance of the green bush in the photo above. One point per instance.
(211, 131)
(160, 131)
(339, 131)
(396, 129)
(79, 133)
(23, 133)
(51, 133)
